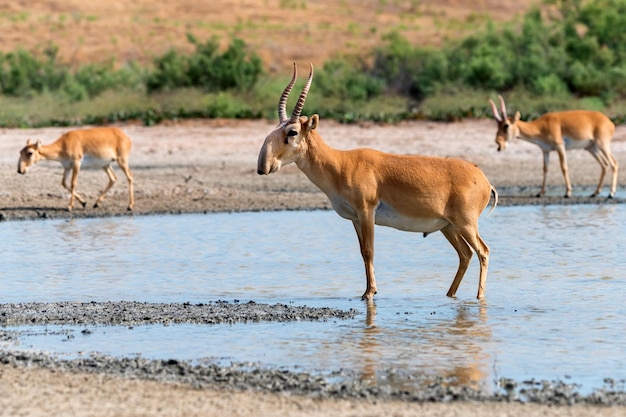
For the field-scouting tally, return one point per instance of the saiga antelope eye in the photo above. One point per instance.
(290, 134)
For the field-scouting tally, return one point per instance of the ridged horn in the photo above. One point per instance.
(502, 107)
(300, 104)
(282, 104)
(494, 110)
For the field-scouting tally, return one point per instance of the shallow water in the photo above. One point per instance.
(555, 306)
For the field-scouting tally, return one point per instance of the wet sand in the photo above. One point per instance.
(44, 392)
(210, 166)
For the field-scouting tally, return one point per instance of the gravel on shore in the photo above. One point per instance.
(130, 313)
(251, 376)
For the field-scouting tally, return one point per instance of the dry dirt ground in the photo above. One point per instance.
(279, 31)
(210, 165)
(205, 166)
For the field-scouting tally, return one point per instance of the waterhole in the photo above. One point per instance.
(554, 308)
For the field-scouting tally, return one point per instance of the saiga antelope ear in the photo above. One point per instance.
(311, 124)
(38, 144)
(517, 117)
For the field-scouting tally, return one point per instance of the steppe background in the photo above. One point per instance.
(210, 165)
(280, 31)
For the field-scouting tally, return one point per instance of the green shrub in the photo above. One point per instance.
(97, 78)
(224, 105)
(347, 80)
(411, 71)
(235, 68)
(549, 84)
(170, 72)
(22, 74)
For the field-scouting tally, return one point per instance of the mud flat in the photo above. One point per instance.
(249, 377)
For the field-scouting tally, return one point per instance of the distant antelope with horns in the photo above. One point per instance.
(98, 147)
(410, 193)
(562, 131)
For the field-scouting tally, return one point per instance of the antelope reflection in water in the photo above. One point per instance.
(448, 350)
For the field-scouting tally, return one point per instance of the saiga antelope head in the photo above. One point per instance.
(286, 143)
(29, 156)
(507, 128)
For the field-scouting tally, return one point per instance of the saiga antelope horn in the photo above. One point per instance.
(495, 110)
(282, 104)
(300, 104)
(502, 106)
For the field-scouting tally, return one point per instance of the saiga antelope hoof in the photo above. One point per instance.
(368, 297)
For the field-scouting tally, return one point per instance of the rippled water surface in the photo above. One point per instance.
(555, 306)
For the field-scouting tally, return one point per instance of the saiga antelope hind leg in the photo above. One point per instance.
(123, 164)
(605, 159)
(465, 256)
(112, 178)
(463, 240)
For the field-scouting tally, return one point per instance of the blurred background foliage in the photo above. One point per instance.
(571, 57)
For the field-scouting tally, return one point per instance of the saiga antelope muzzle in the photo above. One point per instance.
(411, 193)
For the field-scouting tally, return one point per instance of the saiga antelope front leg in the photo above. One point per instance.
(364, 228)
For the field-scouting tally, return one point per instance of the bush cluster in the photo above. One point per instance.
(25, 74)
(581, 51)
(236, 68)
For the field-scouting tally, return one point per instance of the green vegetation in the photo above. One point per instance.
(574, 56)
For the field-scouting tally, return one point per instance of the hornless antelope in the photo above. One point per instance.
(562, 131)
(97, 147)
(410, 193)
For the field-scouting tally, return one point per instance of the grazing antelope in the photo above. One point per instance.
(97, 147)
(562, 131)
(410, 193)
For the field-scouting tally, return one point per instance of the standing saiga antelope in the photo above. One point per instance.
(98, 147)
(562, 131)
(410, 193)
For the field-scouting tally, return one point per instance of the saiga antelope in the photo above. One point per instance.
(562, 131)
(97, 147)
(410, 193)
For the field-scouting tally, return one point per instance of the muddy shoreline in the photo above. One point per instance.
(295, 201)
(242, 377)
